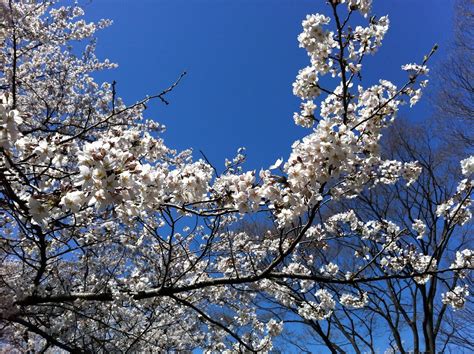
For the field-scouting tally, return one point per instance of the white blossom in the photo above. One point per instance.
(355, 302)
(467, 166)
(329, 269)
(420, 227)
(73, 201)
(456, 298)
(464, 259)
(311, 310)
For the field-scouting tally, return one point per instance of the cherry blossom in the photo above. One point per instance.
(113, 240)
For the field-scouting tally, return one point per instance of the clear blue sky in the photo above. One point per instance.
(242, 57)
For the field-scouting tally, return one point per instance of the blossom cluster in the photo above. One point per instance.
(318, 311)
(457, 208)
(456, 297)
(355, 302)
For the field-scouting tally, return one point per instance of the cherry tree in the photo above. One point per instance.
(112, 241)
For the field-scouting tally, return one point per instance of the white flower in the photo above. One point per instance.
(306, 84)
(9, 122)
(420, 227)
(415, 97)
(415, 68)
(355, 302)
(85, 176)
(73, 201)
(38, 210)
(456, 298)
(329, 269)
(443, 208)
(274, 327)
(277, 164)
(421, 264)
(306, 117)
(363, 6)
(467, 166)
(464, 259)
(313, 35)
(311, 310)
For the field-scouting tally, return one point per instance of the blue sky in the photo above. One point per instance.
(242, 57)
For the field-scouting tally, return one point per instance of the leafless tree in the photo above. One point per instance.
(454, 79)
